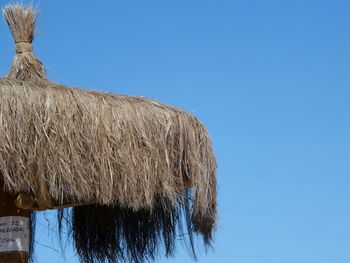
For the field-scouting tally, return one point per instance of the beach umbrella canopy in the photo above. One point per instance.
(137, 173)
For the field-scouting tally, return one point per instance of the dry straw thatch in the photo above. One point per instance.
(130, 156)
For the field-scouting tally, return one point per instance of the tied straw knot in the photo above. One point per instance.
(21, 21)
(23, 46)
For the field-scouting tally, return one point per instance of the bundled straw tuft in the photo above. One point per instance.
(132, 157)
(26, 66)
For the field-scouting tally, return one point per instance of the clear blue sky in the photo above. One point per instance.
(271, 81)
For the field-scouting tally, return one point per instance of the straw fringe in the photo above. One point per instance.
(110, 149)
(94, 146)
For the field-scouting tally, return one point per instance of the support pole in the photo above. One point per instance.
(14, 231)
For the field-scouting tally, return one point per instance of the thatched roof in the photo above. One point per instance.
(131, 156)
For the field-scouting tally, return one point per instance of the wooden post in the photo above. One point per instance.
(8, 208)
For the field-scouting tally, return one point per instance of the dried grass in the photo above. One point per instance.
(26, 66)
(131, 156)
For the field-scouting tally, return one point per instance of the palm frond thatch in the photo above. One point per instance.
(131, 156)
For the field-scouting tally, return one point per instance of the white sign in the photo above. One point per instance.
(14, 234)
